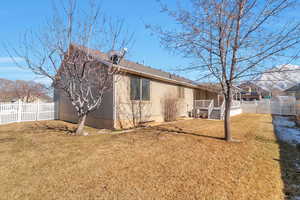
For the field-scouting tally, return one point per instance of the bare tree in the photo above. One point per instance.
(230, 40)
(6, 90)
(133, 113)
(131, 109)
(27, 91)
(61, 52)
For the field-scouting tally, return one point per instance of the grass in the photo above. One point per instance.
(290, 166)
(290, 170)
(39, 162)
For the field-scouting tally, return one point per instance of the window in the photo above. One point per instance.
(145, 89)
(180, 92)
(135, 88)
(139, 88)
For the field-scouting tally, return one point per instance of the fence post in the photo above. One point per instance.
(255, 106)
(19, 110)
(37, 110)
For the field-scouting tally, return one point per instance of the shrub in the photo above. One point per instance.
(170, 108)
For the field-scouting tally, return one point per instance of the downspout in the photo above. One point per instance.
(114, 102)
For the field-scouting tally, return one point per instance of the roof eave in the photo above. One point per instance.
(148, 75)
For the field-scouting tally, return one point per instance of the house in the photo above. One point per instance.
(140, 94)
(216, 87)
(293, 91)
(251, 91)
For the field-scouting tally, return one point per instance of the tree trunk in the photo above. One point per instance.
(81, 122)
(227, 124)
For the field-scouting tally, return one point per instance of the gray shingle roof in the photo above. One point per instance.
(140, 67)
(145, 69)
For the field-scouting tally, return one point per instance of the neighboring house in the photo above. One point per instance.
(138, 94)
(294, 91)
(251, 91)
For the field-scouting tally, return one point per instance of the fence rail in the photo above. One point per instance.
(202, 103)
(236, 104)
(21, 112)
(271, 107)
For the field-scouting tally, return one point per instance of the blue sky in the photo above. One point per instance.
(18, 16)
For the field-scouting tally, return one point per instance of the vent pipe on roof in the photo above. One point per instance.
(116, 56)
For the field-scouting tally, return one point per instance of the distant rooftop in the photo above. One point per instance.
(294, 88)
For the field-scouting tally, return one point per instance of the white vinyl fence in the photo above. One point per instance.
(267, 106)
(21, 112)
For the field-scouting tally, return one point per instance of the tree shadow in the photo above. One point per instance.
(3, 140)
(176, 129)
(55, 128)
(289, 166)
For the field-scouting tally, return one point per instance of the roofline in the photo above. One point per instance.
(237, 87)
(291, 89)
(295, 87)
(156, 77)
(153, 76)
(219, 90)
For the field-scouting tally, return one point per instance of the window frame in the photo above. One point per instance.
(181, 92)
(140, 95)
(135, 92)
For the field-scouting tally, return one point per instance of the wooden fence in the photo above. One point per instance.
(21, 112)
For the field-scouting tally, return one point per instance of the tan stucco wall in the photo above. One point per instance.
(120, 114)
(101, 118)
(151, 110)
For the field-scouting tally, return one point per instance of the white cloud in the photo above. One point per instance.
(43, 80)
(10, 68)
(14, 72)
(10, 60)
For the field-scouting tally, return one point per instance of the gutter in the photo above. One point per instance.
(114, 102)
(133, 71)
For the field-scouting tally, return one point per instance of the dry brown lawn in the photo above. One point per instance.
(38, 162)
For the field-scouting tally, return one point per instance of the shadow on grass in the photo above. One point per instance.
(176, 129)
(3, 140)
(290, 167)
(60, 128)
